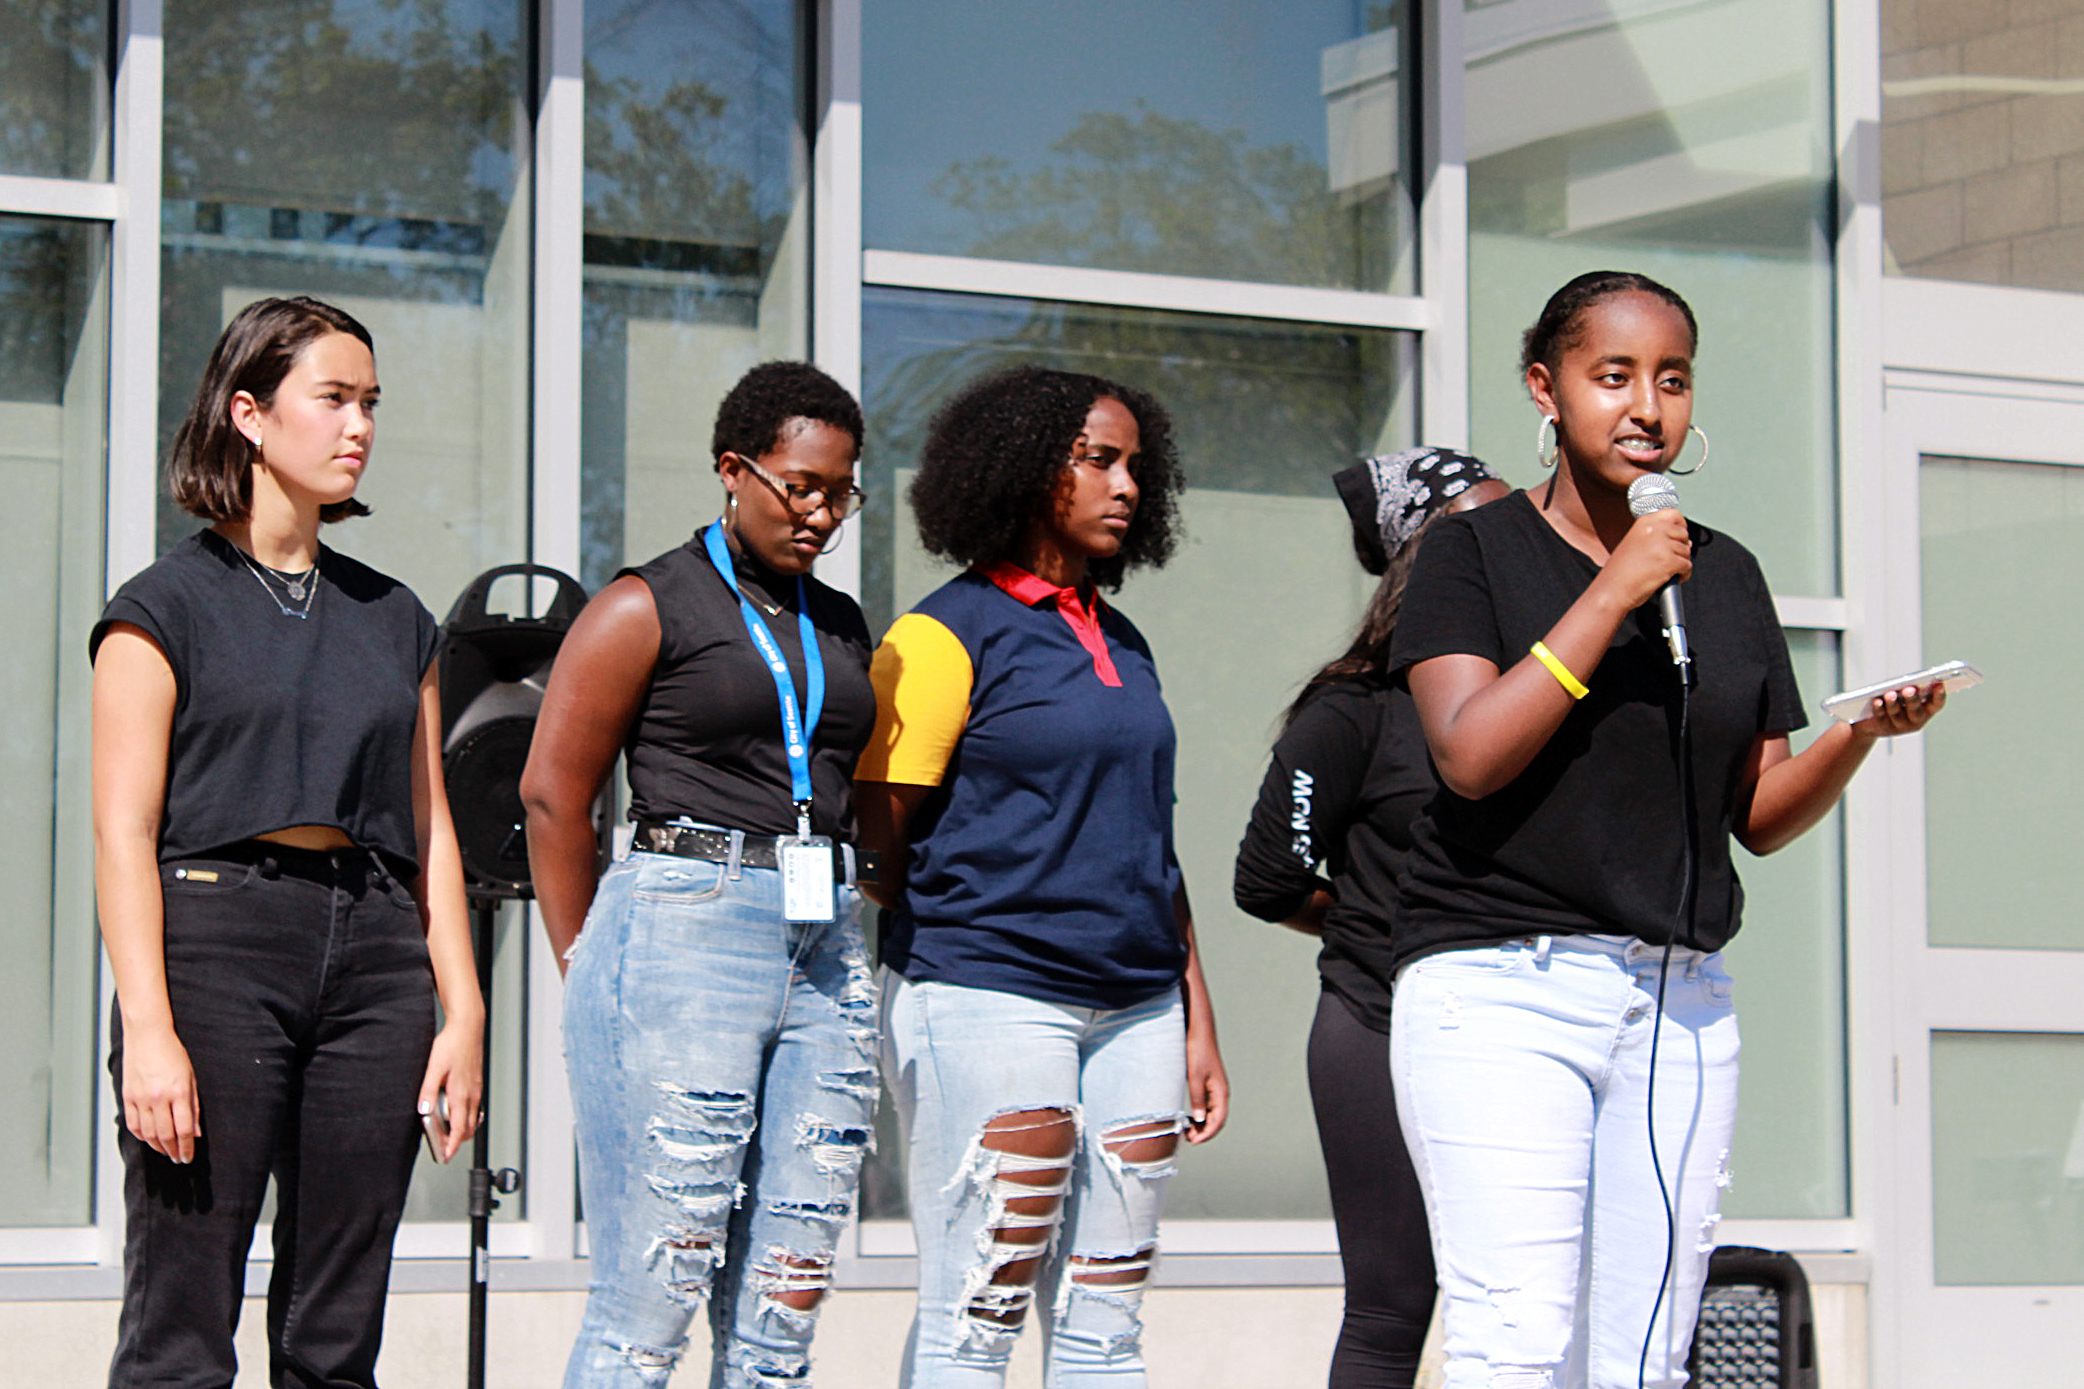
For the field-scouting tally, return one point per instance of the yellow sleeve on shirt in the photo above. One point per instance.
(922, 677)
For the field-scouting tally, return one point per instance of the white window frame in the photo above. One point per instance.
(545, 1250)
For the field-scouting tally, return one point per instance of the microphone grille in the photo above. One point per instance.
(1652, 492)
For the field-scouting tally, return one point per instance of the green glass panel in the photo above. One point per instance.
(374, 154)
(1690, 143)
(2003, 554)
(1263, 591)
(697, 237)
(1790, 1158)
(53, 417)
(2007, 1158)
(54, 88)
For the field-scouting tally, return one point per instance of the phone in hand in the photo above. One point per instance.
(1850, 706)
(435, 1123)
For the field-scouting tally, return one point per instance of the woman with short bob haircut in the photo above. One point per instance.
(278, 881)
(1046, 1031)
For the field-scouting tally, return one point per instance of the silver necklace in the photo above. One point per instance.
(302, 587)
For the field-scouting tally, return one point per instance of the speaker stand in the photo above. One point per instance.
(484, 1181)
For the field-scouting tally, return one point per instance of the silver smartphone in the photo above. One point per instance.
(1851, 705)
(436, 1127)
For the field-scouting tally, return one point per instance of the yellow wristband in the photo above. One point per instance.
(1569, 682)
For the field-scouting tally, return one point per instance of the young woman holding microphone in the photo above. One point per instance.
(1565, 905)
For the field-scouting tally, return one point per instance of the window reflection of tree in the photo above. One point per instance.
(50, 81)
(41, 282)
(1145, 191)
(397, 120)
(693, 171)
(1263, 408)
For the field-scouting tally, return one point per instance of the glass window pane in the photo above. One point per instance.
(697, 226)
(373, 154)
(1790, 1157)
(2007, 1158)
(1263, 590)
(1982, 120)
(54, 88)
(1252, 141)
(53, 416)
(1691, 143)
(2003, 552)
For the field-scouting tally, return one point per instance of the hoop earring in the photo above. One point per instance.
(1542, 453)
(1689, 472)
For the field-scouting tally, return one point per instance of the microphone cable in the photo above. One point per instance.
(1689, 818)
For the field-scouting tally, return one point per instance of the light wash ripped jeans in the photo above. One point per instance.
(1095, 1097)
(723, 1079)
(1522, 1080)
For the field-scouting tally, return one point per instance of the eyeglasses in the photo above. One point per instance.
(805, 501)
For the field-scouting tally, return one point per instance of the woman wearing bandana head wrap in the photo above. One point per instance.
(1326, 840)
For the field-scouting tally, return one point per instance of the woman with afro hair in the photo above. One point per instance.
(719, 1010)
(1046, 1030)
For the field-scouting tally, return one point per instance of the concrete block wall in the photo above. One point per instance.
(1984, 184)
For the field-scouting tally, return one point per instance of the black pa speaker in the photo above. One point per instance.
(1755, 1329)
(493, 671)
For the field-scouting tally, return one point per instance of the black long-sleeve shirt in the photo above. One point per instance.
(1348, 778)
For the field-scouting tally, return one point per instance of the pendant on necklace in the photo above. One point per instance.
(296, 590)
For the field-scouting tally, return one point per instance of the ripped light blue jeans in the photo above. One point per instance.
(1522, 1074)
(1039, 1141)
(722, 1066)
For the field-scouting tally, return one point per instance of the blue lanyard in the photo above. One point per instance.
(796, 730)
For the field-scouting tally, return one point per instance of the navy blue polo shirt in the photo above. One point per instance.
(1042, 863)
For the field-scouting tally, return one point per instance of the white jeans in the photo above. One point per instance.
(1522, 1076)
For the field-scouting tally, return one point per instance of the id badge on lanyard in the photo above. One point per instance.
(805, 859)
(806, 862)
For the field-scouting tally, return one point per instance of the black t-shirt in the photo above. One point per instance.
(282, 721)
(1348, 778)
(1589, 838)
(707, 742)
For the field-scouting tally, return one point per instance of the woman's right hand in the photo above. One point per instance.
(160, 1106)
(1655, 551)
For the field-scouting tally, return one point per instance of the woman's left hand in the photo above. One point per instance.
(1208, 1086)
(1901, 711)
(455, 1068)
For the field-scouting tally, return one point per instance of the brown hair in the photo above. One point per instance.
(210, 470)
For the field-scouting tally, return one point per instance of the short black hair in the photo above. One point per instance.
(994, 453)
(210, 470)
(750, 421)
(1562, 318)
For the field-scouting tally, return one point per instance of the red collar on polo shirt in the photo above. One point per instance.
(1085, 621)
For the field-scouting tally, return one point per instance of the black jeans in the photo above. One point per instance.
(301, 988)
(1376, 1203)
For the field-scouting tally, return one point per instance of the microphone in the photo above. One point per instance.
(1655, 492)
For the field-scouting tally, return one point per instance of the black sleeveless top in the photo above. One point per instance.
(282, 721)
(707, 741)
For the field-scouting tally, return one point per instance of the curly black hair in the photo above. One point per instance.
(994, 454)
(750, 421)
(1562, 318)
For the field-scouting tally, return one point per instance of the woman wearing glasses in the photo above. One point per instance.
(720, 1013)
(1047, 1036)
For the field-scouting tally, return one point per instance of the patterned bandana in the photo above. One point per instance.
(1390, 496)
